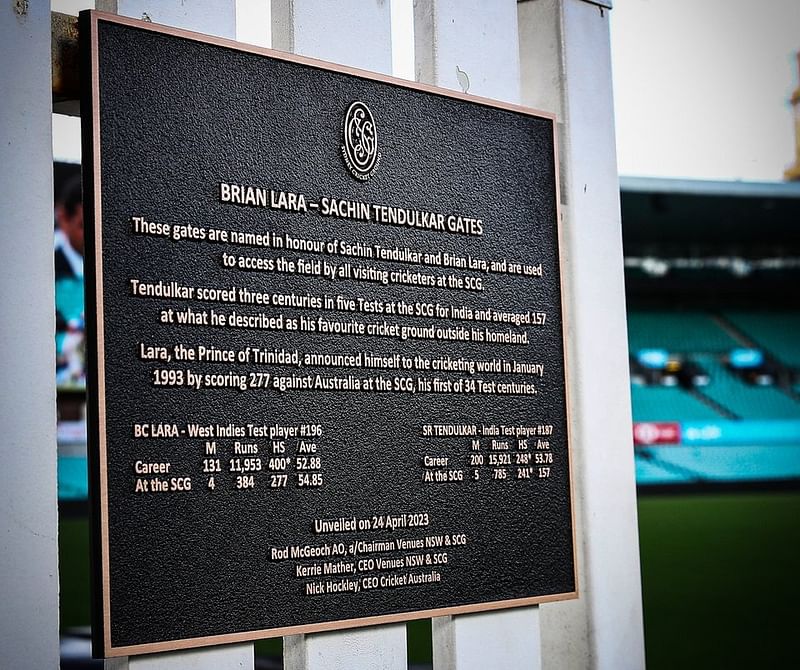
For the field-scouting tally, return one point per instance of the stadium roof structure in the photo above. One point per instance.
(712, 216)
(693, 242)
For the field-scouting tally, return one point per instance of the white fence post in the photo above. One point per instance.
(213, 17)
(28, 508)
(357, 34)
(566, 69)
(471, 46)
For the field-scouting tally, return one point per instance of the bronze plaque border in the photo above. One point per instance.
(96, 350)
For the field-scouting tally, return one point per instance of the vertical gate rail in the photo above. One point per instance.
(566, 68)
(471, 46)
(358, 34)
(28, 504)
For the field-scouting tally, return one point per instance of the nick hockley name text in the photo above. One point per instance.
(371, 582)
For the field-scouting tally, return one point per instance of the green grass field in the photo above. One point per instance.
(720, 581)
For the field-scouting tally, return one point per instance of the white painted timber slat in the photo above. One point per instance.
(254, 22)
(374, 648)
(227, 657)
(358, 34)
(213, 17)
(348, 32)
(28, 509)
(471, 46)
(501, 640)
(566, 69)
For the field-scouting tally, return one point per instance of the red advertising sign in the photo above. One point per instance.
(647, 433)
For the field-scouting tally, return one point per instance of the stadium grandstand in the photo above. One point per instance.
(712, 271)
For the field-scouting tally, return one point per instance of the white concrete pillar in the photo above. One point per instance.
(566, 69)
(28, 506)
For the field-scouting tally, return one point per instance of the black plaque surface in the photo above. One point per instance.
(328, 383)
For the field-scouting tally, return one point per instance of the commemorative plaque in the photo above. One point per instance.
(328, 378)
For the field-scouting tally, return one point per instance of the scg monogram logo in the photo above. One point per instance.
(360, 142)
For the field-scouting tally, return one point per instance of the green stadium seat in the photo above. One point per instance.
(648, 472)
(668, 403)
(699, 337)
(678, 332)
(777, 333)
(744, 400)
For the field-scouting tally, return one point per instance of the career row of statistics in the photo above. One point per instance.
(249, 466)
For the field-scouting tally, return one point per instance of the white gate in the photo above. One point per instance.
(549, 54)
